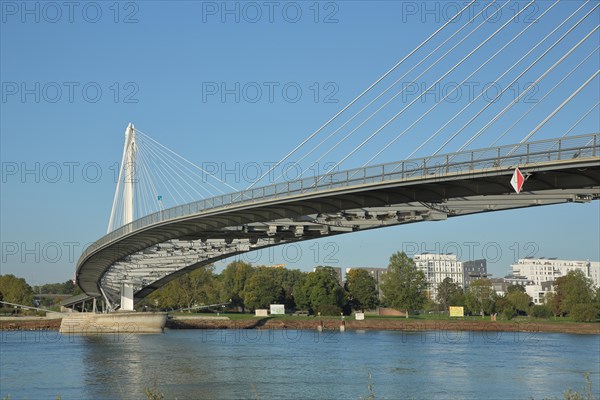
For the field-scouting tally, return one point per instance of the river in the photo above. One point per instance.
(282, 364)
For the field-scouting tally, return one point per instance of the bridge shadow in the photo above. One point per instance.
(260, 322)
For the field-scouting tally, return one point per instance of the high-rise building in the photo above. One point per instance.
(438, 267)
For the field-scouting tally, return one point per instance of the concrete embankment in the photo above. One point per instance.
(124, 322)
(88, 323)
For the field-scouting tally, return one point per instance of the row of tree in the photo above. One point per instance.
(248, 287)
(67, 287)
(244, 286)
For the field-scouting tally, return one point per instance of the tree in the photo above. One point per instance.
(290, 278)
(233, 279)
(264, 288)
(362, 289)
(449, 293)
(573, 288)
(76, 290)
(513, 303)
(15, 290)
(520, 301)
(403, 285)
(481, 297)
(320, 292)
(515, 288)
(504, 306)
(196, 287)
(552, 300)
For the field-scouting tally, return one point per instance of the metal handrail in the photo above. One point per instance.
(443, 164)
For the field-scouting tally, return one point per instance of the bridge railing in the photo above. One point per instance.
(514, 155)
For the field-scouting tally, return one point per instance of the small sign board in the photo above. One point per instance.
(277, 309)
(359, 316)
(517, 180)
(261, 312)
(457, 311)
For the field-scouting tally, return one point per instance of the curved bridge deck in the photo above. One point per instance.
(155, 249)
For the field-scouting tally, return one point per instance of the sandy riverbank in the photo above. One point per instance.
(40, 323)
(29, 323)
(388, 324)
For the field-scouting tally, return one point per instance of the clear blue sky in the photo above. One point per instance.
(155, 62)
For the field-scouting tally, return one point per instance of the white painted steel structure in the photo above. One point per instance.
(152, 250)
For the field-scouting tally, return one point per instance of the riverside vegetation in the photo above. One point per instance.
(244, 287)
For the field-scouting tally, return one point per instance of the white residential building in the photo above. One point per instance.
(595, 272)
(538, 274)
(438, 267)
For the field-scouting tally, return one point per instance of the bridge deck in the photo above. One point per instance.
(340, 202)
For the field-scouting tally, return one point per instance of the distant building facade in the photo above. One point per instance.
(499, 285)
(540, 270)
(473, 270)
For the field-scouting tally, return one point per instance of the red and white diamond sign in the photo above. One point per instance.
(517, 180)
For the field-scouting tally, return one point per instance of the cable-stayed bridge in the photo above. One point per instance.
(458, 154)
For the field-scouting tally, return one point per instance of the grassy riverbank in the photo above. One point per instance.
(372, 322)
(416, 323)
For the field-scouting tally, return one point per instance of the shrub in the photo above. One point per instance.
(588, 393)
(541, 311)
(584, 312)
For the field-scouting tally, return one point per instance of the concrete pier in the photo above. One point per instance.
(117, 322)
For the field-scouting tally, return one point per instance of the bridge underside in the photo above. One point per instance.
(151, 257)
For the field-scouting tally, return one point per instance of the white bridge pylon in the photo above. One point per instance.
(125, 183)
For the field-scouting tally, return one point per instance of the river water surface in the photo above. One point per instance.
(282, 364)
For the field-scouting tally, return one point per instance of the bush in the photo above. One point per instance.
(7, 310)
(584, 312)
(541, 311)
(588, 393)
(329, 309)
(509, 313)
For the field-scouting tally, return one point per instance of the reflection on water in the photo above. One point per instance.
(232, 364)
